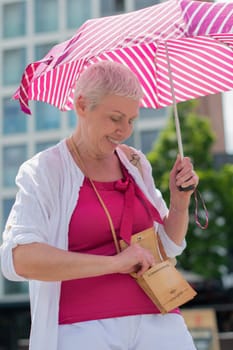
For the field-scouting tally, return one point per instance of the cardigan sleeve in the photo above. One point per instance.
(28, 220)
(171, 248)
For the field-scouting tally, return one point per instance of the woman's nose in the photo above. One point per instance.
(124, 128)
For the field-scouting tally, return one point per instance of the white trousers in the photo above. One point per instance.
(143, 332)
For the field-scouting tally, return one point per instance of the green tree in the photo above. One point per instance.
(207, 250)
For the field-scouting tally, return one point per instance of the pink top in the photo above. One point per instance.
(111, 295)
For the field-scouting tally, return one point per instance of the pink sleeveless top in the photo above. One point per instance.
(112, 295)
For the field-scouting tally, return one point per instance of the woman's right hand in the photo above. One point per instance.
(134, 259)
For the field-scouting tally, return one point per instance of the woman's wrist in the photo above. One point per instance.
(178, 210)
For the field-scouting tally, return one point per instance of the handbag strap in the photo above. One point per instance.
(108, 216)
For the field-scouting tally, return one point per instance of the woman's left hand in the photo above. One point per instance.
(182, 175)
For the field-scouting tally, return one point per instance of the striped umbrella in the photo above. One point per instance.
(179, 49)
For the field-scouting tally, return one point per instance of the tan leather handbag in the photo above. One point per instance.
(162, 283)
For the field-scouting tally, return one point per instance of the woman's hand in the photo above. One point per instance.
(182, 175)
(134, 259)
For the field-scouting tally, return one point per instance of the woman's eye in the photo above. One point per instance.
(131, 121)
(115, 119)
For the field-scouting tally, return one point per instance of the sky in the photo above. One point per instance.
(228, 113)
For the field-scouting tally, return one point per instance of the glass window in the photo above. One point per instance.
(15, 287)
(148, 138)
(42, 50)
(109, 7)
(13, 157)
(14, 19)
(47, 116)
(14, 120)
(14, 62)
(41, 146)
(46, 15)
(7, 204)
(77, 12)
(72, 119)
(151, 113)
(130, 141)
(139, 4)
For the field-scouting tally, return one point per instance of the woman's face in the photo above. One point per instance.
(108, 124)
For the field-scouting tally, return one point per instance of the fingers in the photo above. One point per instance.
(184, 174)
(146, 260)
(187, 179)
(136, 259)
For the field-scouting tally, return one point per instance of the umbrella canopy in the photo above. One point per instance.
(197, 37)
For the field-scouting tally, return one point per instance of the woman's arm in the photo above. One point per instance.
(176, 221)
(43, 262)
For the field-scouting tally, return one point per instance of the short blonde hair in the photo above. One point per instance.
(107, 78)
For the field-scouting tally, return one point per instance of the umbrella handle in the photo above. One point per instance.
(186, 189)
(180, 147)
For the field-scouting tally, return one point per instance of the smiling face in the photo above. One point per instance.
(108, 124)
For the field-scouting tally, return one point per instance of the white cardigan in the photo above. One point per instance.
(48, 190)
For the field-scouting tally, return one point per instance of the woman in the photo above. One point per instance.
(58, 235)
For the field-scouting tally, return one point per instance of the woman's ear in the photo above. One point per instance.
(80, 105)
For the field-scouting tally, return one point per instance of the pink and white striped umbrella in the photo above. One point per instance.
(197, 37)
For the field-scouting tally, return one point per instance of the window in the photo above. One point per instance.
(130, 141)
(40, 146)
(110, 7)
(151, 113)
(78, 12)
(14, 62)
(14, 19)
(7, 205)
(13, 157)
(72, 119)
(14, 121)
(15, 287)
(47, 116)
(148, 138)
(140, 4)
(46, 15)
(42, 50)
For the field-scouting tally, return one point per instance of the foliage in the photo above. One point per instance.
(207, 250)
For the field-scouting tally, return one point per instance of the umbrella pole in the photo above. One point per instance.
(177, 122)
(178, 132)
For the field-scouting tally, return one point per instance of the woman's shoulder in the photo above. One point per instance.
(130, 151)
(49, 161)
(135, 156)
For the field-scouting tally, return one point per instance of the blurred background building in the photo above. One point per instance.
(28, 29)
